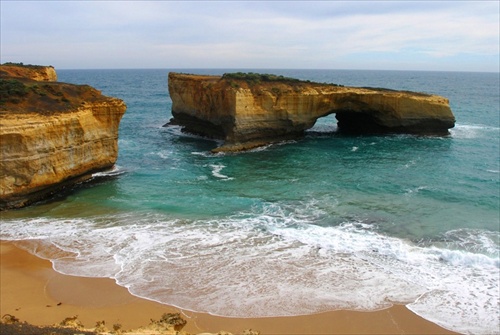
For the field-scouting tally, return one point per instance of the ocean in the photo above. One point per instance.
(322, 223)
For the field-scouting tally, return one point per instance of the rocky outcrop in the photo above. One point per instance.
(53, 135)
(33, 72)
(169, 324)
(249, 110)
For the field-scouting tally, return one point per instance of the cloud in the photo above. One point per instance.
(297, 34)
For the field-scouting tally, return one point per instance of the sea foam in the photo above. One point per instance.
(224, 266)
(470, 131)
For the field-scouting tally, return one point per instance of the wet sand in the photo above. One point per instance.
(33, 292)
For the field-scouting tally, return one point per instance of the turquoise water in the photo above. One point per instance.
(326, 222)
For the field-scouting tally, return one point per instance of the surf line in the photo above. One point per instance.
(216, 169)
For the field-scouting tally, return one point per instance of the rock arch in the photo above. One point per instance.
(248, 113)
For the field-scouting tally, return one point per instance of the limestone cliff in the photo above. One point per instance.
(248, 110)
(33, 72)
(52, 135)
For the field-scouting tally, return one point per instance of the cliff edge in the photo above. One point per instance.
(52, 134)
(250, 110)
(33, 72)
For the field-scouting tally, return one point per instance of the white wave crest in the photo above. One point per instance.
(272, 261)
(473, 131)
(216, 171)
(113, 172)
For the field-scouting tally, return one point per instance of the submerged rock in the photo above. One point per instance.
(250, 110)
(51, 134)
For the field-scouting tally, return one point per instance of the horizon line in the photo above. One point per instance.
(270, 68)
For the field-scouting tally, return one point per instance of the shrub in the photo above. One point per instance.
(253, 78)
(11, 90)
(20, 64)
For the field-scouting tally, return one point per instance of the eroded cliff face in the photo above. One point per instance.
(248, 113)
(53, 135)
(33, 72)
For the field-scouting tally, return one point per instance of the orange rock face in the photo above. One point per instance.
(247, 113)
(53, 135)
(33, 72)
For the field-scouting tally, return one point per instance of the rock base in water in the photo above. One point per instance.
(249, 110)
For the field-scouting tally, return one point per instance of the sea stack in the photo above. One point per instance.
(248, 110)
(52, 134)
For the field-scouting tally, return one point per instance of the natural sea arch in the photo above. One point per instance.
(247, 113)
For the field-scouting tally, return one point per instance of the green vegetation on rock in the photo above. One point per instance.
(20, 64)
(258, 77)
(12, 90)
(253, 78)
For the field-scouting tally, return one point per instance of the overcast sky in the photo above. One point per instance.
(399, 35)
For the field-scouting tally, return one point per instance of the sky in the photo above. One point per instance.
(376, 35)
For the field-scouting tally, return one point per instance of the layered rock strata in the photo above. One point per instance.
(249, 110)
(52, 135)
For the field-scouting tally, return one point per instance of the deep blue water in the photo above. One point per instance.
(326, 222)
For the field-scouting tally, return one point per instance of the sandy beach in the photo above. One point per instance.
(33, 292)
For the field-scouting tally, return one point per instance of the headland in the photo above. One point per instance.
(52, 135)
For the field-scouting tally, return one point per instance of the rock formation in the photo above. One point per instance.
(51, 134)
(169, 324)
(34, 72)
(249, 110)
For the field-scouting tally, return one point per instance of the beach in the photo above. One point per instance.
(33, 292)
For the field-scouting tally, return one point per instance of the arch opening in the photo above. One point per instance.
(326, 124)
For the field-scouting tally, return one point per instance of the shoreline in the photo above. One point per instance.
(33, 292)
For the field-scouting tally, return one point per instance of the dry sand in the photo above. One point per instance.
(32, 291)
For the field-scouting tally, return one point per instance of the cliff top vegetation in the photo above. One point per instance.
(20, 64)
(253, 78)
(29, 96)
